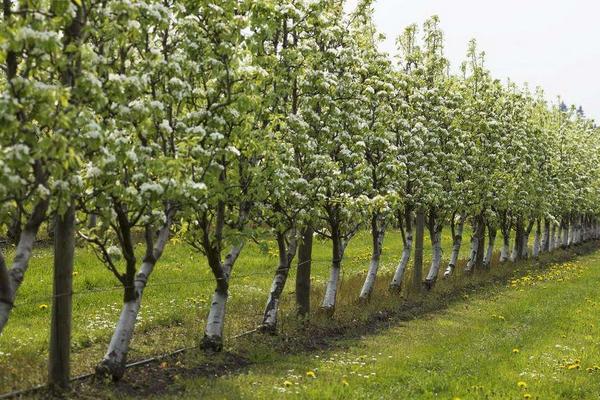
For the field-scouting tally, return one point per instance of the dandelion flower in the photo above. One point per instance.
(526, 396)
(345, 382)
(287, 383)
(43, 306)
(516, 351)
(311, 374)
(522, 385)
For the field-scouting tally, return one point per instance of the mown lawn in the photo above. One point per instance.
(536, 337)
(175, 303)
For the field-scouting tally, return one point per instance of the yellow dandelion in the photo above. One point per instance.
(522, 385)
(526, 396)
(75, 273)
(590, 369)
(43, 306)
(345, 382)
(516, 351)
(311, 374)
(287, 383)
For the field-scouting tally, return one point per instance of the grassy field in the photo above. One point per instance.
(536, 337)
(176, 303)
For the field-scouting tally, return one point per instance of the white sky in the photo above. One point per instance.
(554, 44)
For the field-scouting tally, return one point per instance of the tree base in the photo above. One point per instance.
(429, 283)
(395, 288)
(328, 311)
(110, 369)
(212, 344)
(268, 329)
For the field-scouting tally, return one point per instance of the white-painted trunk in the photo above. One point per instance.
(331, 288)
(513, 254)
(555, 237)
(525, 246)
(545, 245)
(436, 260)
(456, 244)
(337, 253)
(115, 359)
(401, 268)
(216, 316)
(505, 251)
(571, 233)
(378, 233)
(286, 256)
(215, 322)
(536, 244)
(487, 259)
(565, 235)
(17, 272)
(473, 252)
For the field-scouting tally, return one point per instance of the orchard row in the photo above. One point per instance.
(216, 121)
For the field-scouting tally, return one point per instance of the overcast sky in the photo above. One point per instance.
(549, 43)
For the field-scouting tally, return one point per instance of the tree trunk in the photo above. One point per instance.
(546, 245)
(505, 252)
(14, 228)
(377, 234)
(570, 231)
(435, 235)
(519, 233)
(60, 327)
(480, 243)
(418, 264)
(525, 238)
(565, 233)
(115, 359)
(328, 304)
(475, 245)
(303, 274)
(456, 243)
(537, 239)
(20, 262)
(213, 333)
(287, 252)
(5, 289)
(487, 260)
(407, 239)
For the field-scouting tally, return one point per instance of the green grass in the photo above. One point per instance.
(175, 303)
(539, 331)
